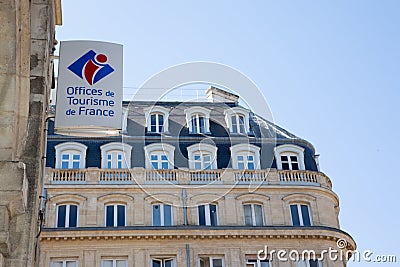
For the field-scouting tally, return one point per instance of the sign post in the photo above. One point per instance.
(89, 89)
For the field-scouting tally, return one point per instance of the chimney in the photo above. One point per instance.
(215, 94)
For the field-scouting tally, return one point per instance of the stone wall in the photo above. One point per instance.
(26, 43)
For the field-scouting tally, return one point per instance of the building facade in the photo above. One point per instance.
(202, 184)
(27, 30)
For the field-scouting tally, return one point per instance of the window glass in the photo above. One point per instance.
(213, 214)
(156, 215)
(160, 123)
(250, 162)
(305, 215)
(207, 162)
(110, 215)
(295, 215)
(73, 215)
(154, 161)
(70, 264)
(168, 263)
(241, 124)
(107, 263)
(61, 215)
(258, 215)
(121, 263)
(76, 161)
(119, 159)
(194, 124)
(153, 122)
(217, 262)
(234, 124)
(167, 215)
(156, 263)
(247, 215)
(202, 217)
(202, 124)
(121, 215)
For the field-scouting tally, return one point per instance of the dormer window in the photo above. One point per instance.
(116, 156)
(70, 155)
(290, 161)
(202, 157)
(198, 123)
(289, 157)
(198, 120)
(237, 120)
(157, 119)
(159, 156)
(156, 123)
(238, 125)
(245, 157)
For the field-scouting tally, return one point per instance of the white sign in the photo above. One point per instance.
(89, 88)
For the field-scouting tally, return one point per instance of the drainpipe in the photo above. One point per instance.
(188, 255)
(184, 206)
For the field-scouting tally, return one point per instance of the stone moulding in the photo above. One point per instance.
(197, 233)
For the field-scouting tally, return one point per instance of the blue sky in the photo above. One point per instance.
(329, 70)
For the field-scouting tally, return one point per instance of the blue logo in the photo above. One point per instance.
(91, 66)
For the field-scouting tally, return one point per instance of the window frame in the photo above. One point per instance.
(67, 215)
(300, 213)
(157, 110)
(207, 214)
(162, 260)
(258, 262)
(116, 147)
(237, 111)
(211, 259)
(68, 148)
(162, 214)
(198, 111)
(306, 263)
(159, 148)
(114, 261)
(115, 210)
(289, 149)
(159, 127)
(63, 262)
(253, 214)
(245, 150)
(202, 149)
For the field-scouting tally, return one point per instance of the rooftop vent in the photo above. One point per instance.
(215, 94)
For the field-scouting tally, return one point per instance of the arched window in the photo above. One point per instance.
(159, 156)
(157, 119)
(202, 156)
(289, 157)
(116, 156)
(237, 120)
(198, 120)
(245, 157)
(70, 155)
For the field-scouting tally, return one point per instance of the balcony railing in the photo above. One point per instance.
(185, 177)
